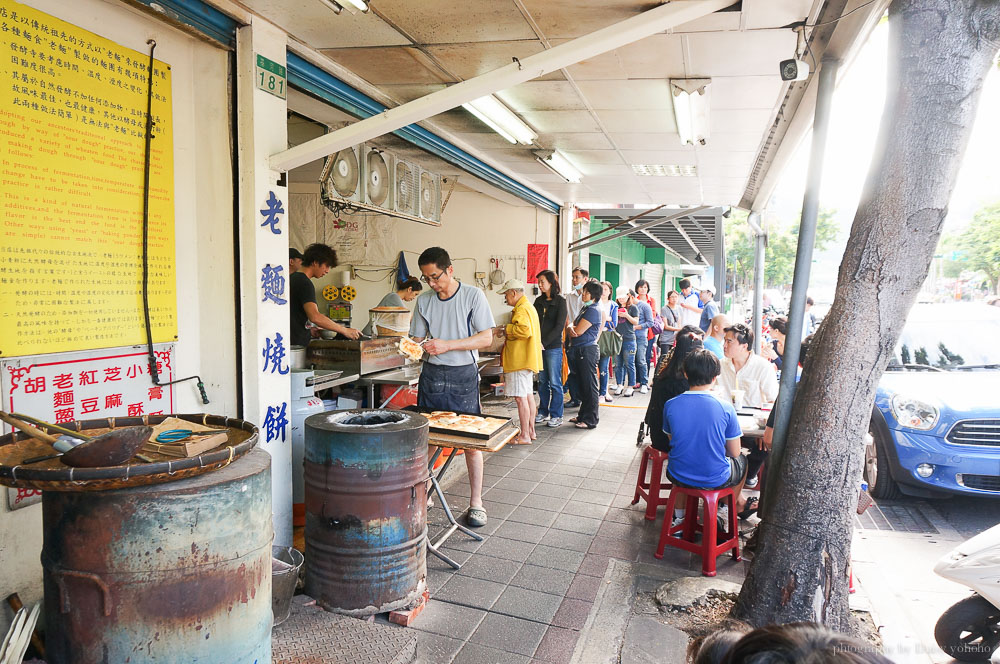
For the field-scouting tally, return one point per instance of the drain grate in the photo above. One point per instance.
(895, 517)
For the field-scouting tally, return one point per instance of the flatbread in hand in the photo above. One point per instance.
(410, 349)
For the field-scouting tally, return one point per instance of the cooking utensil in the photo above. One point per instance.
(63, 443)
(497, 276)
(108, 449)
(177, 435)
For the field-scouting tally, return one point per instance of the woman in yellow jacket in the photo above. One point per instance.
(522, 356)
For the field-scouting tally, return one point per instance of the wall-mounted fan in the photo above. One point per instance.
(406, 188)
(378, 176)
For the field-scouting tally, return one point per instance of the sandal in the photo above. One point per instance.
(573, 420)
(476, 517)
(582, 425)
(749, 509)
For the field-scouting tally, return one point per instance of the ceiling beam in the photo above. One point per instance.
(630, 30)
(641, 227)
(661, 243)
(687, 238)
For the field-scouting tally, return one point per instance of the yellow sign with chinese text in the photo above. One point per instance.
(72, 156)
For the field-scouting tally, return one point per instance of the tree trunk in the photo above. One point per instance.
(939, 53)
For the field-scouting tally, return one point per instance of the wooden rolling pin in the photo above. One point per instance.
(27, 428)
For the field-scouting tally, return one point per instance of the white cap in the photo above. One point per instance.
(512, 284)
(623, 291)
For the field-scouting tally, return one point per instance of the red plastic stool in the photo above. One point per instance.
(708, 549)
(651, 491)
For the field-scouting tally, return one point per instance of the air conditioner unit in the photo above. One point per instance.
(342, 176)
(377, 169)
(406, 189)
(430, 196)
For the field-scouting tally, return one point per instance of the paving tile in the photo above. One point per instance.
(600, 473)
(564, 539)
(438, 573)
(477, 593)
(576, 471)
(521, 531)
(572, 614)
(572, 481)
(459, 541)
(526, 472)
(594, 565)
(457, 555)
(489, 568)
(615, 548)
(600, 485)
(436, 648)
(528, 604)
(508, 633)
(548, 556)
(584, 587)
(552, 490)
(542, 502)
(504, 496)
(447, 619)
(493, 460)
(596, 497)
(499, 547)
(626, 531)
(538, 465)
(589, 510)
(557, 645)
(458, 489)
(473, 653)
(533, 515)
(512, 484)
(548, 457)
(544, 579)
(497, 511)
(577, 524)
(634, 514)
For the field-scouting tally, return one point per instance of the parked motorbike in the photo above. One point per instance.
(969, 631)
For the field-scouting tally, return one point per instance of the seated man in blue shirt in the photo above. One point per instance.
(704, 435)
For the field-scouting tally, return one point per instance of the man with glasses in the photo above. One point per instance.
(456, 319)
(745, 371)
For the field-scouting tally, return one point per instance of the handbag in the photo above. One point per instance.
(657, 327)
(609, 343)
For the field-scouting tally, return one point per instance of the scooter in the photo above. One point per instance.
(969, 631)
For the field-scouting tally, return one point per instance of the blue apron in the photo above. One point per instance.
(444, 387)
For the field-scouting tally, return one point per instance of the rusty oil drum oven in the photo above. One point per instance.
(366, 510)
(173, 572)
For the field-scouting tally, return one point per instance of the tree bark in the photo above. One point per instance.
(939, 54)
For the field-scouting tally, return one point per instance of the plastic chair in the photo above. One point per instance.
(708, 548)
(651, 491)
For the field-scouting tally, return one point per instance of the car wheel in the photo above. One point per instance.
(970, 630)
(876, 473)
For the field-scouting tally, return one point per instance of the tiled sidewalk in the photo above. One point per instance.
(558, 511)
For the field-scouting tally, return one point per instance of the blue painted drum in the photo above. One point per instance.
(173, 572)
(366, 510)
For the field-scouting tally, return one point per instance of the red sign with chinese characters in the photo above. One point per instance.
(89, 385)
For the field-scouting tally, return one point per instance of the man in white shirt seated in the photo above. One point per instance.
(743, 370)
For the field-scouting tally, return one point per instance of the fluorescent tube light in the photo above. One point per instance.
(360, 5)
(501, 119)
(353, 6)
(556, 162)
(691, 108)
(665, 170)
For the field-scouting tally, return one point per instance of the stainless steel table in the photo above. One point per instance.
(403, 377)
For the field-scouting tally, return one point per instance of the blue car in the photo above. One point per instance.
(936, 423)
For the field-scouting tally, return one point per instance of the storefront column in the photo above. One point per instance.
(264, 228)
(567, 213)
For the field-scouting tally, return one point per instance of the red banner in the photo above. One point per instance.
(538, 260)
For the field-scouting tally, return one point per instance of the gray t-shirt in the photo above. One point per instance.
(390, 300)
(462, 315)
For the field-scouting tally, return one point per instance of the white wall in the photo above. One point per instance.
(204, 244)
(473, 226)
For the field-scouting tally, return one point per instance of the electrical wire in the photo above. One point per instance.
(859, 7)
(154, 374)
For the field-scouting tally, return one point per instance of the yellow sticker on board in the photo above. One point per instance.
(72, 152)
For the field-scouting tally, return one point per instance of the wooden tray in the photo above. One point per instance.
(461, 443)
(53, 475)
(499, 431)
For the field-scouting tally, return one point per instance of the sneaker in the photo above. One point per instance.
(629, 392)
(540, 418)
(607, 398)
(752, 483)
(644, 390)
(555, 422)
(678, 520)
(619, 391)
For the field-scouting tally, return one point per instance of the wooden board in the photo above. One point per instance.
(464, 443)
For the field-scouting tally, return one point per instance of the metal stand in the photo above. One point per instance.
(455, 525)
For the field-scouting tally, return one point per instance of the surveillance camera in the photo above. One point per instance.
(793, 70)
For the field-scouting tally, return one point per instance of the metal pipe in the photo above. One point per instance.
(658, 19)
(803, 264)
(720, 263)
(760, 243)
(640, 227)
(642, 214)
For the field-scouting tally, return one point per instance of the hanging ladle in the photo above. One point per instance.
(108, 449)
